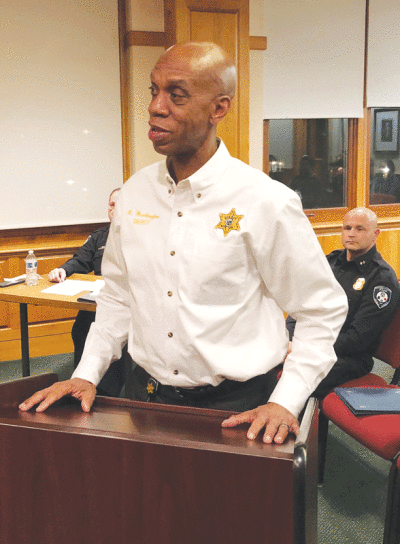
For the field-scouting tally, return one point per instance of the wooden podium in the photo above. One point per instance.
(137, 473)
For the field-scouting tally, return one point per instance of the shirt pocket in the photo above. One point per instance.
(217, 273)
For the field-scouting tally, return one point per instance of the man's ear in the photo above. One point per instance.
(220, 107)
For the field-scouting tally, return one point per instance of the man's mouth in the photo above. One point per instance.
(157, 133)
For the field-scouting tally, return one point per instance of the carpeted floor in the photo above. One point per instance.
(352, 501)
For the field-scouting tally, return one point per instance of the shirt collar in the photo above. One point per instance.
(209, 173)
(362, 261)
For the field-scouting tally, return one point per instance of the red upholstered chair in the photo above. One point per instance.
(380, 433)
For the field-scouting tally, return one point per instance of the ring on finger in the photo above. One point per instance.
(285, 425)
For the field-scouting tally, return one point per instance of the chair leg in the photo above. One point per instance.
(392, 520)
(323, 423)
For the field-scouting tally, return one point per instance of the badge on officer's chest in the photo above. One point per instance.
(359, 284)
(229, 221)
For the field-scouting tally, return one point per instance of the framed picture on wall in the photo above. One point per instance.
(386, 136)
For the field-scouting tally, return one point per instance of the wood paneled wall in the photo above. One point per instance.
(49, 328)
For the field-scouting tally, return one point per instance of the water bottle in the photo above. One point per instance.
(31, 269)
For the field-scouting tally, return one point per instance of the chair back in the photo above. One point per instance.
(389, 344)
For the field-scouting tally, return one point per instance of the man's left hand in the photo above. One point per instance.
(278, 422)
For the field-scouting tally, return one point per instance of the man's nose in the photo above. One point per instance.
(158, 105)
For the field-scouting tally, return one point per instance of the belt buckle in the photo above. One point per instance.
(151, 388)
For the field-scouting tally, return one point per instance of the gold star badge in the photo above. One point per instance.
(229, 221)
(150, 388)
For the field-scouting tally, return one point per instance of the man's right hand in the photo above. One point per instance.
(57, 275)
(76, 387)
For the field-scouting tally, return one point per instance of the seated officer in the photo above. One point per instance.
(88, 259)
(373, 293)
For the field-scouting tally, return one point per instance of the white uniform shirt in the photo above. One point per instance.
(199, 274)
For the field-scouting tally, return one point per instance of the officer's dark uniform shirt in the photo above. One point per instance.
(88, 257)
(373, 293)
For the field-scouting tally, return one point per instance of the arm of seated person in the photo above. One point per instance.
(57, 275)
(78, 388)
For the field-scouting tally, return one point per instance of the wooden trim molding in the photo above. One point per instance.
(142, 37)
(45, 239)
(158, 39)
(258, 43)
(125, 92)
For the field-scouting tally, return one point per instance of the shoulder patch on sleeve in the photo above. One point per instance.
(382, 296)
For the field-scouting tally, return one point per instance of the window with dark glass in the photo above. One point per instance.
(385, 158)
(310, 156)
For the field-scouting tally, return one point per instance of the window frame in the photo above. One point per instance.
(331, 216)
(389, 212)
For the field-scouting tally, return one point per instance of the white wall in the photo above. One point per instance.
(60, 119)
(314, 63)
(383, 75)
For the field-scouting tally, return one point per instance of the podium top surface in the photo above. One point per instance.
(122, 419)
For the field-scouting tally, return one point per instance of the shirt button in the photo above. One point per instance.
(176, 372)
(169, 191)
(180, 214)
(170, 334)
(169, 293)
(172, 253)
(198, 195)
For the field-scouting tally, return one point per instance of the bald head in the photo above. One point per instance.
(359, 212)
(211, 64)
(359, 232)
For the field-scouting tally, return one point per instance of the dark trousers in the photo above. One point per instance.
(345, 369)
(114, 379)
(229, 395)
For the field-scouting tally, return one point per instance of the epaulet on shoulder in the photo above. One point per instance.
(101, 229)
(334, 253)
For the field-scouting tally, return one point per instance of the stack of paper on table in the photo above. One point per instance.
(73, 287)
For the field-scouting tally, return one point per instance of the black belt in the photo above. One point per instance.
(154, 388)
(201, 393)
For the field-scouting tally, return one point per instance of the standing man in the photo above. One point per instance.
(373, 294)
(203, 256)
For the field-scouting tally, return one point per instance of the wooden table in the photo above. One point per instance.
(141, 473)
(24, 295)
